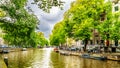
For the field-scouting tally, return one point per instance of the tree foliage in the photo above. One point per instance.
(85, 16)
(46, 5)
(115, 28)
(58, 35)
(20, 29)
(2, 13)
(19, 26)
(41, 40)
(105, 26)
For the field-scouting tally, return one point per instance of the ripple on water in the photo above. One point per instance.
(46, 58)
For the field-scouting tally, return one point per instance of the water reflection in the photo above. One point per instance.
(41, 60)
(77, 62)
(46, 58)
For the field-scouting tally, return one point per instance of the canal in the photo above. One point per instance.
(46, 58)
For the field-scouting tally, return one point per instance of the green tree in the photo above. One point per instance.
(83, 17)
(105, 27)
(58, 35)
(83, 32)
(41, 40)
(115, 28)
(20, 28)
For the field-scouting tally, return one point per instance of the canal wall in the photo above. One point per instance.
(70, 53)
(2, 63)
(14, 49)
(109, 56)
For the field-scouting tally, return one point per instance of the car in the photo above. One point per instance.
(95, 50)
(4, 48)
(5, 51)
(73, 49)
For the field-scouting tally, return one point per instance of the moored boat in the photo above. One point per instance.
(64, 53)
(85, 55)
(114, 57)
(5, 51)
(24, 49)
(98, 57)
(56, 49)
(94, 56)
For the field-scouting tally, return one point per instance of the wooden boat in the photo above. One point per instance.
(5, 51)
(94, 56)
(24, 49)
(114, 57)
(98, 57)
(64, 53)
(56, 49)
(85, 55)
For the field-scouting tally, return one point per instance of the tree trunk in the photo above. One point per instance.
(102, 42)
(116, 42)
(85, 46)
(107, 41)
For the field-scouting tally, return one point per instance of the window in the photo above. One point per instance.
(116, 8)
(102, 16)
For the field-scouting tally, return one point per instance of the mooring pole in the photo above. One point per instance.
(6, 61)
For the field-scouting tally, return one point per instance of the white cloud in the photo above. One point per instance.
(48, 20)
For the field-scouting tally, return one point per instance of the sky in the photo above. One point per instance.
(48, 20)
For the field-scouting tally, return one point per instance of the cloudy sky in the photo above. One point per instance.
(48, 20)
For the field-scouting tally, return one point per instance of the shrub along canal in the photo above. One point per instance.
(47, 58)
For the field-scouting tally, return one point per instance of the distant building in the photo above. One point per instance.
(1, 37)
(1, 41)
(115, 5)
(96, 39)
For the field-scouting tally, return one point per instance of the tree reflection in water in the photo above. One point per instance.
(46, 58)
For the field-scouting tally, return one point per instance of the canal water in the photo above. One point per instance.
(46, 58)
